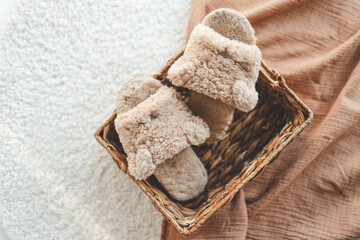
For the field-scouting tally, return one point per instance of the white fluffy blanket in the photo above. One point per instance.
(61, 66)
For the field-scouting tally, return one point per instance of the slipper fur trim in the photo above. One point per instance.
(157, 129)
(184, 176)
(220, 67)
(215, 113)
(231, 24)
(135, 91)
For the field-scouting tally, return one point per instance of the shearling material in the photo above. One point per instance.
(231, 24)
(134, 92)
(215, 113)
(184, 176)
(156, 128)
(220, 66)
(62, 64)
(312, 190)
(222, 62)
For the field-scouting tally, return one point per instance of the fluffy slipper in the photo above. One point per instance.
(221, 61)
(215, 113)
(157, 130)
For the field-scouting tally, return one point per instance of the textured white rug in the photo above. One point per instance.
(61, 66)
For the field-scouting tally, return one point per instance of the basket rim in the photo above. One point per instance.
(272, 78)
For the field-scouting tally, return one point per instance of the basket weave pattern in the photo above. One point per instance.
(253, 141)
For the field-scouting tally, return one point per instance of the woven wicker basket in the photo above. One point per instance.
(254, 140)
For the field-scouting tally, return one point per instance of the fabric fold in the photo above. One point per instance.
(312, 190)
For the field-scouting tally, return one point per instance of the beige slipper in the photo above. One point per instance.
(222, 62)
(215, 113)
(157, 130)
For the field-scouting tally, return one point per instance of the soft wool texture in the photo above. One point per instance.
(215, 113)
(221, 63)
(155, 127)
(134, 92)
(231, 24)
(311, 191)
(184, 176)
(62, 64)
(156, 130)
(220, 67)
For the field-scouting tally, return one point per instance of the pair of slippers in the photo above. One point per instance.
(220, 66)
